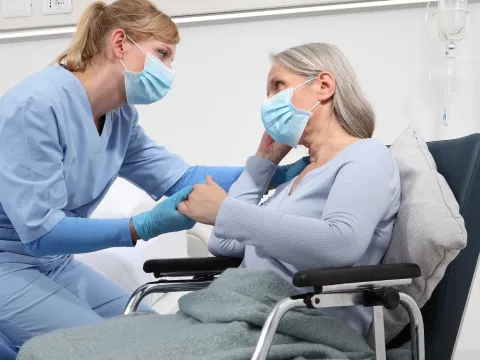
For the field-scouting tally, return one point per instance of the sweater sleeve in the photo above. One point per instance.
(357, 202)
(249, 188)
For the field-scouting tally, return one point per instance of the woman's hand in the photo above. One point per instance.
(204, 202)
(272, 150)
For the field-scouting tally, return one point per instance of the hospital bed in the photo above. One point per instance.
(433, 330)
(124, 265)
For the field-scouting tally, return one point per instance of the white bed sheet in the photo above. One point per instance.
(124, 266)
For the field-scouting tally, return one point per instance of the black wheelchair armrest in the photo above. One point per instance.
(209, 266)
(357, 274)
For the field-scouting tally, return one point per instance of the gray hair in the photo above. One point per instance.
(350, 106)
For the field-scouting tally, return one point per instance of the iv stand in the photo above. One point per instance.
(448, 91)
(451, 34)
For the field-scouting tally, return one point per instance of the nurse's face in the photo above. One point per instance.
(162, 51)
(134, 58)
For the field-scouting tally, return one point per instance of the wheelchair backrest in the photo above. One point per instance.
(458, 161)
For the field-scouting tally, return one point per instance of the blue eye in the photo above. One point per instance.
(278, 85)
(162, 53)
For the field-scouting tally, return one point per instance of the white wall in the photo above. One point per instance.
(174, 8)
(222, 71)
(212, 114)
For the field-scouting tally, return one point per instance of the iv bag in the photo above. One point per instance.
(452, 19)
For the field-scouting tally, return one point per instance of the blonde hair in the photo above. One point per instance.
(350, 106)
(140, 19)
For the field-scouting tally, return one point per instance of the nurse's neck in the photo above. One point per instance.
(105, 90)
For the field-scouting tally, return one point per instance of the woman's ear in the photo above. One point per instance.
(118, 41)
(325, 85)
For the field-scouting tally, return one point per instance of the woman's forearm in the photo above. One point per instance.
(254, 182)
(294, 239)
(78, 235)
(225, 247)
(249, 188)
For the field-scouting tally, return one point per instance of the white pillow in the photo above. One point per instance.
(429, 230)
(197, 240)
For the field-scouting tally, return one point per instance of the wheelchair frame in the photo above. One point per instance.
(370, 286)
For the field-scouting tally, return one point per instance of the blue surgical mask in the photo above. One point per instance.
(282, 121)
(151, 84)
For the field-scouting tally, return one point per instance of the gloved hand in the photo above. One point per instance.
(164, 217)
(286, 173)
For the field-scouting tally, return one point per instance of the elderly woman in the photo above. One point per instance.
(338, 212)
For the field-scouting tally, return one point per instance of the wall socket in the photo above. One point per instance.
(52, 7)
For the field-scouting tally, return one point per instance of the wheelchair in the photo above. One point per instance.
(433, 330)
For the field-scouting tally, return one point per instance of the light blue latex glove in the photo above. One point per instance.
(285, 173)
(164, 217)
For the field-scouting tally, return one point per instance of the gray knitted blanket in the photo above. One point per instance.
(219, 323)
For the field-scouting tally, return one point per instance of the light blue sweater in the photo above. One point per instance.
(340, 214)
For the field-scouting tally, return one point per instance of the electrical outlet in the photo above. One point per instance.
(52, 7)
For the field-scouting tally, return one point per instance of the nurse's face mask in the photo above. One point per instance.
(151, 84)
(283, 121)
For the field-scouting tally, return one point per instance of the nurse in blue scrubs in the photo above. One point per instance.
(66, 133)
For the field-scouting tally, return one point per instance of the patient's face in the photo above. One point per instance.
(279, 79)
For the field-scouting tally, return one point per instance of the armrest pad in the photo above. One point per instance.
(190, 266)
(349, 275)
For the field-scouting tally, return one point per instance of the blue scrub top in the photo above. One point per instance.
(54, 163)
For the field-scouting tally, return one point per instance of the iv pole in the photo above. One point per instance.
(452, 24)
(448, 91)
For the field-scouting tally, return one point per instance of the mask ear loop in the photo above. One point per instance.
(306, 82)
(123, 65)
(314, 106)
(136, 46)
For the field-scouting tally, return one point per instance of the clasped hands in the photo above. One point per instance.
(202, 202)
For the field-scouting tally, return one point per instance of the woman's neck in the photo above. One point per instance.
(104, 93)
(324, 142)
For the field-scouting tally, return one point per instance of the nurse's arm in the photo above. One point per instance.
(158, 172)
(78, 236)
(224, 176)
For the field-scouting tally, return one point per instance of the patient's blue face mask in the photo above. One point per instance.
(282, 121)
(151, 84)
